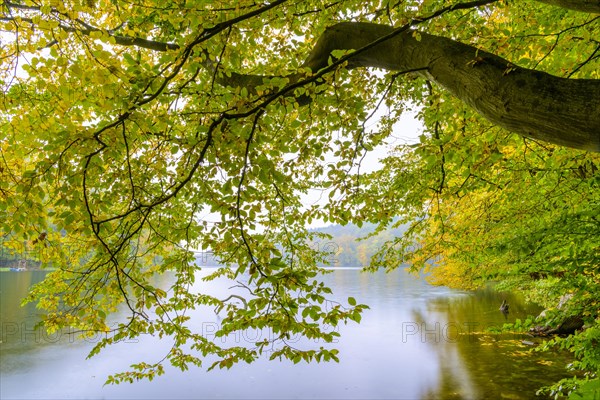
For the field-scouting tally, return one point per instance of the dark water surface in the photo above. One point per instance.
(416, 342)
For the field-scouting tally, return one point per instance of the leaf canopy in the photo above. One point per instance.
(133, 133)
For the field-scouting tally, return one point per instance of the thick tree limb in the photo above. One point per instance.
(531, 103)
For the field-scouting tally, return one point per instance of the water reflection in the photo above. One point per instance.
(416, 341)
(475, 363)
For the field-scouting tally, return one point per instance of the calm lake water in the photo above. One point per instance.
(416, 342)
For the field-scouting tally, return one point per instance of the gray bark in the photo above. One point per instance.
(531, 103)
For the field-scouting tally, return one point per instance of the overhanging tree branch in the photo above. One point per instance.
(528, 102)
(531, 103)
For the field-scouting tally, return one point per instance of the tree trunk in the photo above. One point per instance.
(531, 103)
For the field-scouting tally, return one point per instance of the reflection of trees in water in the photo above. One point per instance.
(475, 363)
(13, 286)
(454, 377)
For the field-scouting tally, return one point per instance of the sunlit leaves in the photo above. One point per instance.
(131, 136)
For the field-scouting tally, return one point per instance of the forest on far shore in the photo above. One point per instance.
(349, 246)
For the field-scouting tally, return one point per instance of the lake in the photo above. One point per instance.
(417, 341)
